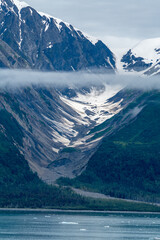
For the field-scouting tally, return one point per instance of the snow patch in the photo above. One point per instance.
(31, 11)
(63, 126)
(19, 4)
(55, 150)
(58, 138)
(93, 40)
(119, 64)
(148, 50)
(50, 45)
(57, 21)
(81, 34)
(46, 27)
(94, 106)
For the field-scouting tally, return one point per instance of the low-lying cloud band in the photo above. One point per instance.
(12, 79)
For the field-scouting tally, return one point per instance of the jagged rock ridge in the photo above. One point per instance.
(144, 58)
(47, 43)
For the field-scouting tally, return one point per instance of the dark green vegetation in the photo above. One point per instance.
(127, 163)
(21, 188)
(69, 150)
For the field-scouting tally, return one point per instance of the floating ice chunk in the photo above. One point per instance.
(69, 223)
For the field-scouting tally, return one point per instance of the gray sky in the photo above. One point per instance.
(119, 23)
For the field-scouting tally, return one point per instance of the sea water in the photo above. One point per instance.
(78, 226)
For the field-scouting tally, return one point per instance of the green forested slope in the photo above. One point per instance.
(19, 186)
(127, 163)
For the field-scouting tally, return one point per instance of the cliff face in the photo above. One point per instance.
(47, 43)
(10, 59)
(55, 126)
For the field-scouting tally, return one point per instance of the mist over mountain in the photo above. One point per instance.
(66, 113)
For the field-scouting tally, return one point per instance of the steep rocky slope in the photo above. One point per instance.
(91, 132)
(10, 59)
(57, 139)
(47, 43)
(127, 162)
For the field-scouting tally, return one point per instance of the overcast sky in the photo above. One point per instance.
(119, 23)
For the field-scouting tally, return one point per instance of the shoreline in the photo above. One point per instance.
(40, 210)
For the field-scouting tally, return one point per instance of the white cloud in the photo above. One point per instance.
(13, 79)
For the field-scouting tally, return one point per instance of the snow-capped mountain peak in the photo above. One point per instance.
(20, 4)
(144, 57)
(48, 43)
(10, 3)
(59, 23)
(148, 49)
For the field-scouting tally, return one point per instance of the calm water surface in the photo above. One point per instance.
(78, 226)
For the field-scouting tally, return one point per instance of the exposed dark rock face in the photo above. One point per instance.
(143, 58)
(9, 58)
(47, 43)
(133, 63)
(57, 139)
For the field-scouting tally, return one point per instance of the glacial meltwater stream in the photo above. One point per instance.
(78, 226)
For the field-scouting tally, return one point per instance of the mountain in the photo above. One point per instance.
(19, 186)
(126, 164)
(143, 58)
(66, 135)
(55, 132)
(47, 43)
(98, 137)
(10, 59)
(56, 125)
